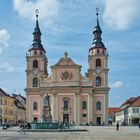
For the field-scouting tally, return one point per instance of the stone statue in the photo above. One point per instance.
(46, 101)
(46, 117)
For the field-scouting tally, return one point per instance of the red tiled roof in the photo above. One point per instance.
(112, 110)
(133, 101)
(129, 101)
(136, 103)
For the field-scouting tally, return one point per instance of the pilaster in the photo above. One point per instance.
(55, 106)
(106, 109)
(77, 109)
(90, 108)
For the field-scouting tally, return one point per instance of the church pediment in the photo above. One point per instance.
(65, 70)
(65, 62)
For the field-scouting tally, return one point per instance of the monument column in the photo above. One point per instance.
(47, 117)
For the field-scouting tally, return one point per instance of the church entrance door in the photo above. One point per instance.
(98, 120)
(65, 117)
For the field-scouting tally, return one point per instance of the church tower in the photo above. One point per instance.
(98, 59)
(98, 71)
(36, 66)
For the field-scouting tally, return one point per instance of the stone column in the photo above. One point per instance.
(90, 108)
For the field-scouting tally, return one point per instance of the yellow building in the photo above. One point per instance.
(6, 108)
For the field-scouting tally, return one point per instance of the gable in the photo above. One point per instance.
(65, 61)
(65, 70)
(2, 93)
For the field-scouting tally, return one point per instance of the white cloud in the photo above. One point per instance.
(117, 84)
(7, 67)
(4, 39)
(117, 97)
(48, 9)
(120, 14)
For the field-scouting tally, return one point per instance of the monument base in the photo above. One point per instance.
(45, 125)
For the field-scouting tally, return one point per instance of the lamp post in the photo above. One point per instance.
(0, 120)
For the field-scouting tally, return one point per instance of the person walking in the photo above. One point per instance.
(117, 126)
(139, 124)
(22, 128)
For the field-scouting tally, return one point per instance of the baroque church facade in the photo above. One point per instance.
(73, 97)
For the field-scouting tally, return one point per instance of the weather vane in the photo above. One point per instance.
(97, 10)
(36, 11)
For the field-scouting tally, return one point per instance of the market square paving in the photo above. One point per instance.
(93, 133)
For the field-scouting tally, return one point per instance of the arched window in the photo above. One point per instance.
(98, 81)
(35, 64)
(84, 105)
(98, 62)
(35, 105)
(35, 52)
(35, 82)
(98, 51)
(65, 104)
(98, 105)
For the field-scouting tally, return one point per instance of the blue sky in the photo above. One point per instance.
(67, 25)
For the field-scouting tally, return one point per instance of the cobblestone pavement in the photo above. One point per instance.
(94, 133)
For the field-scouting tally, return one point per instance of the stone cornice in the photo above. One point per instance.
(101, 89)
(32, 89)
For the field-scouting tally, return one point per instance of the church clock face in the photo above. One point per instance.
(98, 70)
(35, 71)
